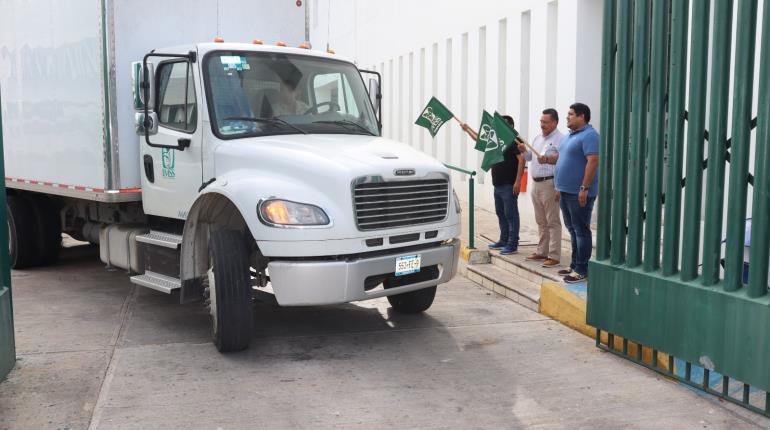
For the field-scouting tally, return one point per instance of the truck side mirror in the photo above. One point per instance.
(139, 123)
(137, 85)
(374, 94)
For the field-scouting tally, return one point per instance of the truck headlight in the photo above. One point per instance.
(457, 201)
(286, 213)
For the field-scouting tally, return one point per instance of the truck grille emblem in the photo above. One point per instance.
(403, 172)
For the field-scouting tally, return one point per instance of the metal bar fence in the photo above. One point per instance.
(674, 149)
(7, 342)
(652, 170)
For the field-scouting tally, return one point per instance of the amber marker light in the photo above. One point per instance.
(280, 44)
(304, 46)
(256, 42)
(219, 39)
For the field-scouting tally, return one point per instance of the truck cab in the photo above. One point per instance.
(263, 168)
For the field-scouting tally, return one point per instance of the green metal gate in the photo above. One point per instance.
(647, 283)
(7, 346)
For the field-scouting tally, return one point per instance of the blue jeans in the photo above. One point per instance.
(578, 222)
(507, 209)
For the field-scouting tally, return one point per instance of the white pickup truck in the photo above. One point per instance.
(219, 170)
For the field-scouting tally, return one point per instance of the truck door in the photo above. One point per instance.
(171, 173)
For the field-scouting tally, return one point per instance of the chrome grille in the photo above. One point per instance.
(381, 205)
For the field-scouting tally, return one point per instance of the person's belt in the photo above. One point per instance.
(544, 178)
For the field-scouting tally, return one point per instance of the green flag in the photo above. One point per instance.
(434, 116)
(495, 136)
(504, 130)
(486, 132)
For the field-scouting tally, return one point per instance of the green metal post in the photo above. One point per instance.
(659, 53)
(715, 175)
(743, 88)
(695, 130)
(472, 206)
(638, 144)
(605, 170)
(620, 137)
(675, 146)
(7, 342)
(471, 202)
(760, 231)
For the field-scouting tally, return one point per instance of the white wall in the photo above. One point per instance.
(517, 57)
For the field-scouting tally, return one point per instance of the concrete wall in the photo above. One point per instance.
(516, 57)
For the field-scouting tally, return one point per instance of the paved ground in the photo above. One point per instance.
(95, 351)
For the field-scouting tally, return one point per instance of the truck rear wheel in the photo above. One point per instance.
(229, 289)
(412, 302)
(22, 234)
(48, 228)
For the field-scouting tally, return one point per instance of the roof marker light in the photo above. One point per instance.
(219, 39)
(256, 41)
(280, 44)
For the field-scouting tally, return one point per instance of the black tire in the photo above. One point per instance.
(413, 302)
(232, 318)
(22, 232)
(48, 228)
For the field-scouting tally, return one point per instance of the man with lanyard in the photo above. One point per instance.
(506, 180)
(576, 187)
(543, 191)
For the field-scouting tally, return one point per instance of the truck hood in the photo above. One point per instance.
(314, 157)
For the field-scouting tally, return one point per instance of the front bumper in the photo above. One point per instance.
(302, 283)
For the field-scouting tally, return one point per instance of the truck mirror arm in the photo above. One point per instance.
(182, 143)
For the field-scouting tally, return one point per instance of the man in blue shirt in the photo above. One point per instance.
(576, 185)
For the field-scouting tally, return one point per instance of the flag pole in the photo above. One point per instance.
(534, 151)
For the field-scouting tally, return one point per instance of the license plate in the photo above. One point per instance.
(407, 264)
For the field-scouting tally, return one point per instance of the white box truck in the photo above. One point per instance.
(215, 170)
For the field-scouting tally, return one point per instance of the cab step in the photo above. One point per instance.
(160, 238)
(156, 281)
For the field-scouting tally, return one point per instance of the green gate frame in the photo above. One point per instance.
(7, 342)
(639, 287)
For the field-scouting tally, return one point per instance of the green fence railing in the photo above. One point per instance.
(471, 205)
(658, 284)
(7, 348)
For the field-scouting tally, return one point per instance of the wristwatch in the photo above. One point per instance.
(583, 188)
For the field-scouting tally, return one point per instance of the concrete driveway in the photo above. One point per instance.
(98, 352)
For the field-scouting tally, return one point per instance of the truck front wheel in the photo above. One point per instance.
(412, 302)
(229, 291)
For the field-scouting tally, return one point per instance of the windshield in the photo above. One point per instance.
(268, 93)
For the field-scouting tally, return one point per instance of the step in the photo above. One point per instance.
(529, 247)
(505, 283)
(158, 282)
(160, 238)
(529, 270)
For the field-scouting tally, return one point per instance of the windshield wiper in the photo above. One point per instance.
(347, 122)
(273, 120)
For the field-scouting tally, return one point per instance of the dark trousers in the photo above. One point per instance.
(578, 222)
(507, 209)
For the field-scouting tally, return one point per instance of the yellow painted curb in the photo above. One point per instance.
(465, 252)
(562, 305)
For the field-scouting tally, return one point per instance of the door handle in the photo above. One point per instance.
(182, 143)
(149, 170)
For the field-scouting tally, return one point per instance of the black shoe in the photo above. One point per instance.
(564, 272)
(575, 278)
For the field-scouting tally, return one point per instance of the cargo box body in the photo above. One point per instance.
(65, 77)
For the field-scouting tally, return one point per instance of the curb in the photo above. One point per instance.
(474, 255)
(567, 304)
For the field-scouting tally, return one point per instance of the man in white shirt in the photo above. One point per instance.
(541, 171)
